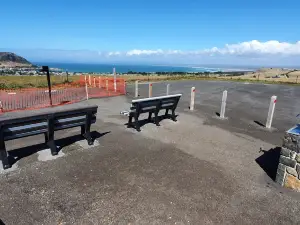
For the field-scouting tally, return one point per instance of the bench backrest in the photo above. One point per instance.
(37, 124)
(156, 103)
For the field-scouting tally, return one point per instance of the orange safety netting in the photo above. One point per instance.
(86, 87)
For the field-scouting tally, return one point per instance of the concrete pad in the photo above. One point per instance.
(6, 171)
(83, 144)
(45, 155)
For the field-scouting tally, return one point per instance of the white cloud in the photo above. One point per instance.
(114, 53)
(144, 52)
(250, 48)
(258, 48)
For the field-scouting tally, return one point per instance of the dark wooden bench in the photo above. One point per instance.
(47, 124)
(152, 105)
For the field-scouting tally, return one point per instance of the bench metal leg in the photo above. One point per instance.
(136, 122)
(52, 146)
(156, 120)
(173, 115)
(82, 130)
(88, 137)
(46, 137)
(50, 136)
(167, 112)
(87, 128)
(4, 156)
(129, 124)
(150, 115)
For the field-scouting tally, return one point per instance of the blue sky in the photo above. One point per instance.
(165, 31)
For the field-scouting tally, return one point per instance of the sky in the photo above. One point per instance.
(154, 32)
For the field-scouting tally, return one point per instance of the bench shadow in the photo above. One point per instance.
(259, 123)
(269, 161)
(143, 122)
(17, 154)
(218, 114)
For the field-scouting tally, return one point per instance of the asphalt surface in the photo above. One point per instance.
(199, 170)
(246, 108)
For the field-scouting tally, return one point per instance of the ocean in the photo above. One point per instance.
(108, 68)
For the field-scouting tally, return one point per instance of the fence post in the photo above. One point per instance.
(223, 105)
(115, 79)
(271, 111)
(150, 90)
(90, 81)
(136, 89)
(94, 81)
(192, 103)
(297, 80)
(99, 82)
(168, 89)
(1, 107)
(86, 91)
(125, 91)
(106, 84)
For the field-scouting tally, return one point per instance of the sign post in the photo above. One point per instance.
(46, 69)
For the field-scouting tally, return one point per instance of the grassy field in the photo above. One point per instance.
(17, 82)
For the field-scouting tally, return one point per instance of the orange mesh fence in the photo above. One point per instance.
(34, 98)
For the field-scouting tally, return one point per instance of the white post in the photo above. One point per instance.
(192, 103)
(99, 82)
(223, 105)
(150, 90)
(136, 88)
(168, 89)
(115, 79)
(90, 81)
(271, 111)
(86, 91)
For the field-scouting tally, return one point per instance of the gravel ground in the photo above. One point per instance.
(199, 170)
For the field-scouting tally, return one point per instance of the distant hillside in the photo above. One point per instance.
(9, 59)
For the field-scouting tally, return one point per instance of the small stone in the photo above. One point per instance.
(298, 158)
(285, 152)
(292, 171)
(293, 155)
(287, 161)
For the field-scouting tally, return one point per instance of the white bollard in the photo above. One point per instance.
(150, 90)
(192, 103)
(136, 89)
(168, 89)
(115, 79)
(223, 105)
(271, 111)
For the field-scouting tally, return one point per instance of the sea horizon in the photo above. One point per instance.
(124, 68)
